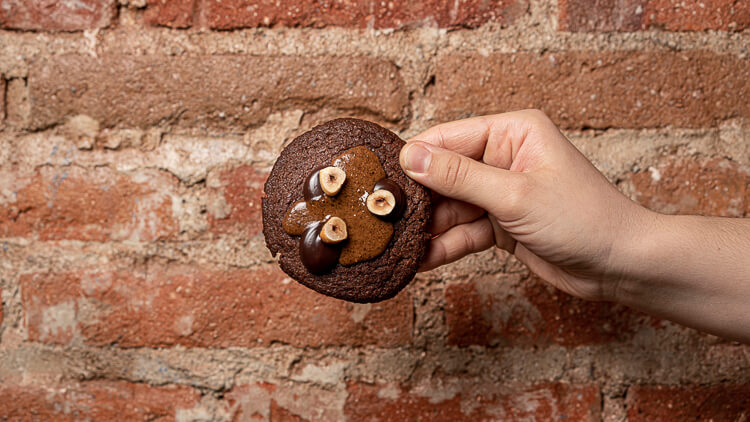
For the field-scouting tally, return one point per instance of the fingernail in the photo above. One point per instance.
(417, 158)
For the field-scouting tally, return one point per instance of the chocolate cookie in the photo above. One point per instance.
(345, 219)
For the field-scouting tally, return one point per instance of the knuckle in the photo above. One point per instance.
(454, 172)
(452, 215)
(440, 136)
(537, 114)
(536, 117)
(469, 241)
(518, 192)
(441, 252)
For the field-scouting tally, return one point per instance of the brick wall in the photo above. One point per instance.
(135, 136)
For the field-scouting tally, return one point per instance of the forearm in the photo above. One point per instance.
(692, 270)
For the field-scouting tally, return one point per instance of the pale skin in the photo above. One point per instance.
(514, 181)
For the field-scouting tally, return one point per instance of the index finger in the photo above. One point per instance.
(467, 137)
(494, 139)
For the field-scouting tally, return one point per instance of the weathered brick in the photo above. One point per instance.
(95, 401)
(599, 15)
(543, 402)
(283, 403)
(511, 311)
(705, 186)
(221, 91)
(597, 90)
(15, 103)
(229, 14)
(170, 13)
(670, 15)
(696, 15)
(655, 403)
(189, 306)
(56, 15)
(236, 207)
(94, 205)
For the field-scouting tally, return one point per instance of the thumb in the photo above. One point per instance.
(497, 190)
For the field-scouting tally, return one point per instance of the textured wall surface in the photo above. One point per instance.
(135, 137)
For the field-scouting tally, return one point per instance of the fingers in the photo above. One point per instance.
(456, 176)
(557, 277)
(503, 239)
(458, 242)
(450, 212)
(493, 139)
(467, 137)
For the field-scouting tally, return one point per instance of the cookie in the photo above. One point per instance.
(344, 218)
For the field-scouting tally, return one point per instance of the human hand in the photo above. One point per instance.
(514, 181)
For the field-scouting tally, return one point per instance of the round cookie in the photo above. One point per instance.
(371, 280)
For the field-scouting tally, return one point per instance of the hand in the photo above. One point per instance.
(514, 181)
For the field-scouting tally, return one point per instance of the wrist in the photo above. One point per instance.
(636, 254)
(689, 269)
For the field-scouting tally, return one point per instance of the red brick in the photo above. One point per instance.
(599, 15)
(188, 306)
(543, 402)
(95, 401)
(697, 15)
(464, 316)
(670, 15)
(170, 13)
(280, 414)
(240, 195)
(706, 186)
(230, 14)
(219, 91)
(597, 90)
(92, 205)
(488, 312)
(655, 403)
(56, 15)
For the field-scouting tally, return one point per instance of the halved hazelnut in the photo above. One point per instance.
(331, 180)
(333, 231)
(381, 202)
(397, 192)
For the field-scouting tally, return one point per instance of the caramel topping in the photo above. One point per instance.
(368, 235)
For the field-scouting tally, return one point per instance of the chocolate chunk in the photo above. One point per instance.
(312, 190)
(317, 256)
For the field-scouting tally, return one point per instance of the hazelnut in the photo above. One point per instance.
(395, 189)
(381, 202)
(316, 256)
(333, 231)
(331, 180)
